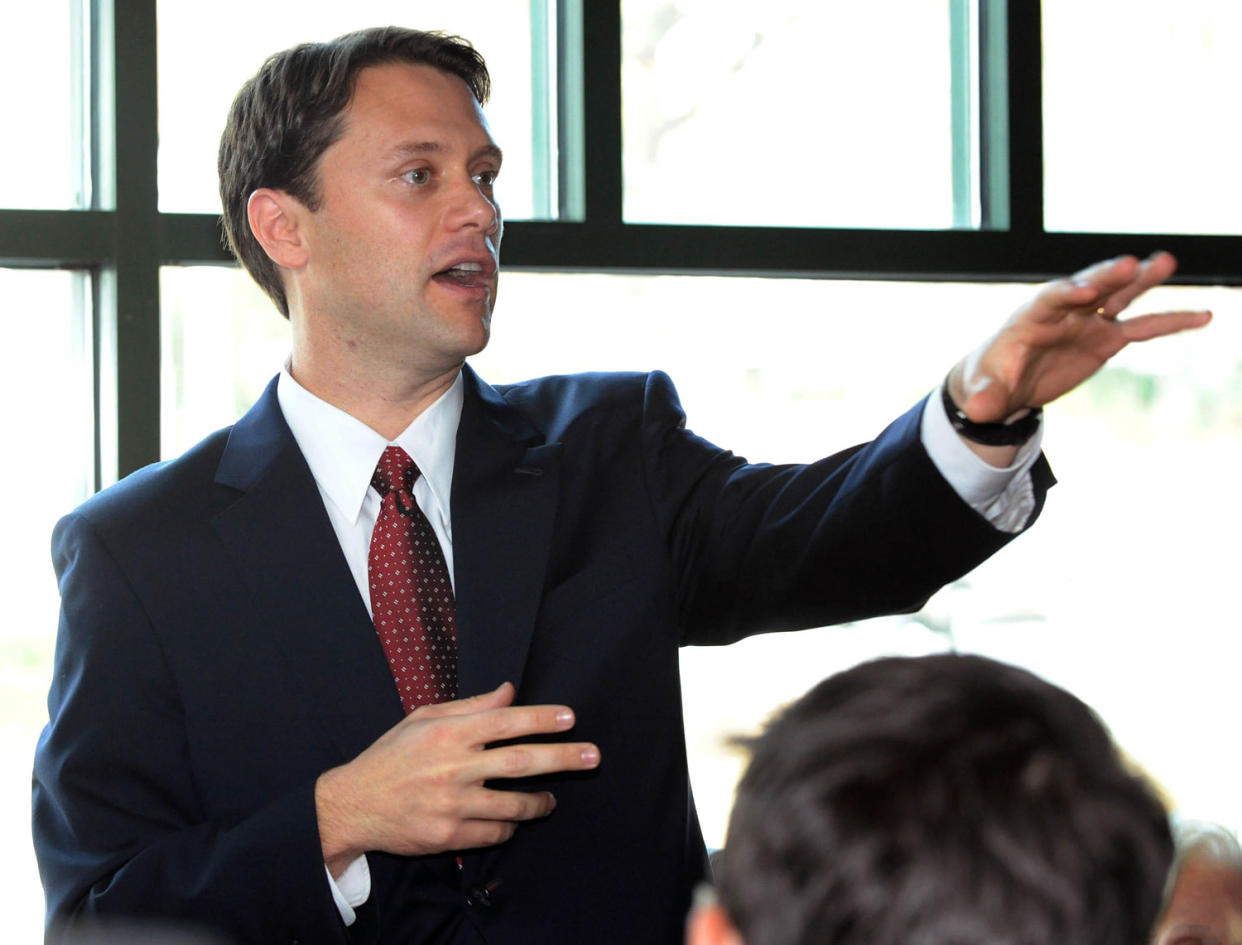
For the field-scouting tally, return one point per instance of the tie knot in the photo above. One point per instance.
(394, 471)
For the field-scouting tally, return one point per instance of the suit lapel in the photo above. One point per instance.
(505, 487)
(316, 627)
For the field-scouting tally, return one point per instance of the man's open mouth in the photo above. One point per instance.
(468, 274)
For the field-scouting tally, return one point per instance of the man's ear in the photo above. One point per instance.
(709, 925)
(275, 219)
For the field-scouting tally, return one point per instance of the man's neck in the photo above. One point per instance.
(387, 402)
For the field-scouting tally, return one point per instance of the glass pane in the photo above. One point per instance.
(787, 113)
(194, 101)
(1124, 562)
(1139, 133)
(45, 376)
(222, 340)
(39, 164)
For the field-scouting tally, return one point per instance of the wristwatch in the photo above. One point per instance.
(1008, 433)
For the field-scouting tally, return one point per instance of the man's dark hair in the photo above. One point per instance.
(289, 113)
(942, 800)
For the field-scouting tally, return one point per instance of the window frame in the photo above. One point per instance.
(122, 239)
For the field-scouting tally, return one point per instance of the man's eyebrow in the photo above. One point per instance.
(413, 148)
(488, 151)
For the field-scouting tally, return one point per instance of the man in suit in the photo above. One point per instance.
(226, 744)
(944, 798)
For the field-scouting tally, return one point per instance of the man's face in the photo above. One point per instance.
(1205, 908)
(403, 250)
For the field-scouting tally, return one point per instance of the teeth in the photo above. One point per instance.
(468, 267)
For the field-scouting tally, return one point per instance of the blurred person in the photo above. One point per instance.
(395, 656)
(938, 800)
(1204, 903)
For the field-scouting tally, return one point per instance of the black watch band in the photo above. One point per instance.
(1012, 433)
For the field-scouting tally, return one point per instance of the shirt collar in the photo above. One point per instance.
(342, 451)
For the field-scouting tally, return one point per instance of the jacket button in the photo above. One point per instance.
(480, 897)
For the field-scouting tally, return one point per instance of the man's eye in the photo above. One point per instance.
(417, 175)
(486, 178)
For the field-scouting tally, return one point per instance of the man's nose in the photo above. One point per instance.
(473, 206)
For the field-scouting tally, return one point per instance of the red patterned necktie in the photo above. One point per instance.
(411, 595)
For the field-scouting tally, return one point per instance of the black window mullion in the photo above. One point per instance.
(1026, 122)
(64, 238)
(601, 74)
(193, 239)
(130, 305)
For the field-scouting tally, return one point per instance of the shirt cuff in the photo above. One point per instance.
(351, 889)
(1005, 497)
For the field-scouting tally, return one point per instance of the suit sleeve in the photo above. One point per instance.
(118, 826)
(871, 530)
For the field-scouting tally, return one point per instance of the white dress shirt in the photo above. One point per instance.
(342, 453)
(1005, 497)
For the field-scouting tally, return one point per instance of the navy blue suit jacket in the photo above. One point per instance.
(214, 657)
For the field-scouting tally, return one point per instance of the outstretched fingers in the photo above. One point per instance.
(1063, 335)
(509, 722)
(1159, 324)
(420, 787)
(1152, 271)
(530, 759)
(507, 727)
(1091, 288)
(464, 730)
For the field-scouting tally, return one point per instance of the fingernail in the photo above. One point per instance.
(590, 756)
(565, 718)
(551, 803)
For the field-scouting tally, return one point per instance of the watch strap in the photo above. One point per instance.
(1006, 433)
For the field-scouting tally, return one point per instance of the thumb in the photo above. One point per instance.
(988, 401)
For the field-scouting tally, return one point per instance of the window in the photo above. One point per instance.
(194, 102)
(222, 340)
(50, 172)
(1141, 139)
(734, 113)
(47, 387)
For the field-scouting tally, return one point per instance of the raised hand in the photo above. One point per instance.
(1063, 336)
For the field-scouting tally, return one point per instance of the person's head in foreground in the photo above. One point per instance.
(1204, 905)
(942, 799)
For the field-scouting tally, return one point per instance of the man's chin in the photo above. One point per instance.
(474, 341)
